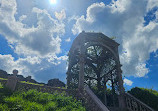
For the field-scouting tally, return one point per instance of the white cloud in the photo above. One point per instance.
(120, 20)
(120, 5)
(71, 18)
(8, 64)
(37, 40)
(60, 15)
(151, 4)
(41, 69)
(34, 34)
(141, 70)
(68, 40)
(21, 18)
(127, 82)
(156, 15)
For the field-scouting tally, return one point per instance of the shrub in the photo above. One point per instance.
(39, 97)
(33, 106)
(44, 98)
(33, 100)
(148, 96)
(3, 93)
(15, 102)
(51, 106)
(4, 107)
(30, 95)
(62, 109)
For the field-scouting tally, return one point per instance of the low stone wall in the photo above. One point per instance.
(25, 87)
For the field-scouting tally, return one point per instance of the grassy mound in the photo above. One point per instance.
(33, 100)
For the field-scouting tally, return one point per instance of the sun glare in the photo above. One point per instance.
(53, 1)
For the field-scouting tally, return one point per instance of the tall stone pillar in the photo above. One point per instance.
(121, 88)
(81, 72)
(105, 92)
(68, 79)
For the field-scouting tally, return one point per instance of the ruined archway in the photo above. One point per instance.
(94, 60)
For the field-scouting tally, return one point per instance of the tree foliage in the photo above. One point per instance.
(148, 96)
(98, 63)
(99, 67)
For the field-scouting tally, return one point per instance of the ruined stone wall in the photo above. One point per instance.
(25, 87)
(48, 89)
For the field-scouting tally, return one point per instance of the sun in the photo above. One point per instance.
(53, 1)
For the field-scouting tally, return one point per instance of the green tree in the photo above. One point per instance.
(148, 96)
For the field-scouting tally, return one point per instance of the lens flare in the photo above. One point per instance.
(53, 1)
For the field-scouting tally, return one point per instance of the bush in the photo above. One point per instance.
(51, 106)
(4, 107)
(30, 95)
(33, 106)
(4, 92)
(15, 102)
(148, 96)
(33, 100)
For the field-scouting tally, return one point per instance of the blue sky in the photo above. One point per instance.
(35, 36)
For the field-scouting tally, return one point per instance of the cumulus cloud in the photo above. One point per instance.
(156, 15)
(21, 18)
(41, 69)
(127, 82)
(151, 4)
(60, 15)
(8, 64)
(120, 20)
(38, 40)
(35, 40)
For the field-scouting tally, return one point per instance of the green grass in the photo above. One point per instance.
(33, 100)
(31, 83)
(1, 85)
(3, 79)
(4, 92)
(25, 82)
